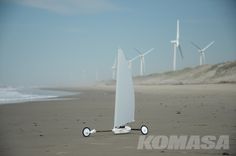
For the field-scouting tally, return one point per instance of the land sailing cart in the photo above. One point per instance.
(124, 101)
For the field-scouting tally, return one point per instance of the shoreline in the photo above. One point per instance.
(24, 95)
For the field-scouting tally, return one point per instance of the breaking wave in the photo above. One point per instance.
(16, 95)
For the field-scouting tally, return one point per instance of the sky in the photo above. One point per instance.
(74, 42)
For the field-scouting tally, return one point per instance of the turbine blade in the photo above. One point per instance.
(148, 51)
(208, 46)
(180, 51)
(131, 60)
(138, 51)
(196, 46)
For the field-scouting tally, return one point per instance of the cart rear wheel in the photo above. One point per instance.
(144, 130)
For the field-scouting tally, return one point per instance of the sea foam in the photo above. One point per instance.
(16, 95)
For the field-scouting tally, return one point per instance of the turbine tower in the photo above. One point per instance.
(202, 51)
(176, 45)
(142, 60)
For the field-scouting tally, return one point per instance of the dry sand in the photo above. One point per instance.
(54, 127)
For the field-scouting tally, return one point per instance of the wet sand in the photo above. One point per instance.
(54, 127)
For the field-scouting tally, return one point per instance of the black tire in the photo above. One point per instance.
(86, 131)
(144, 130)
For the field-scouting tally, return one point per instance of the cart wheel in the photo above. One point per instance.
(144, 130)
(86, 132)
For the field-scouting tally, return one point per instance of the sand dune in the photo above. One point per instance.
(205, 74)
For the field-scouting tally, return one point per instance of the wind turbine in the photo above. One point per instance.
(176, 45)
(142, 60)
(114, 69)
(202, 51)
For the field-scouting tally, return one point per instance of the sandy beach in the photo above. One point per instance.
(54, 127)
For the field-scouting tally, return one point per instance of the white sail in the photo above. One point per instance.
(124, 104)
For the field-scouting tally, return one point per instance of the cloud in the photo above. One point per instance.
(71, 6)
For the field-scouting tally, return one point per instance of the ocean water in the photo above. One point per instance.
(18, 95)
